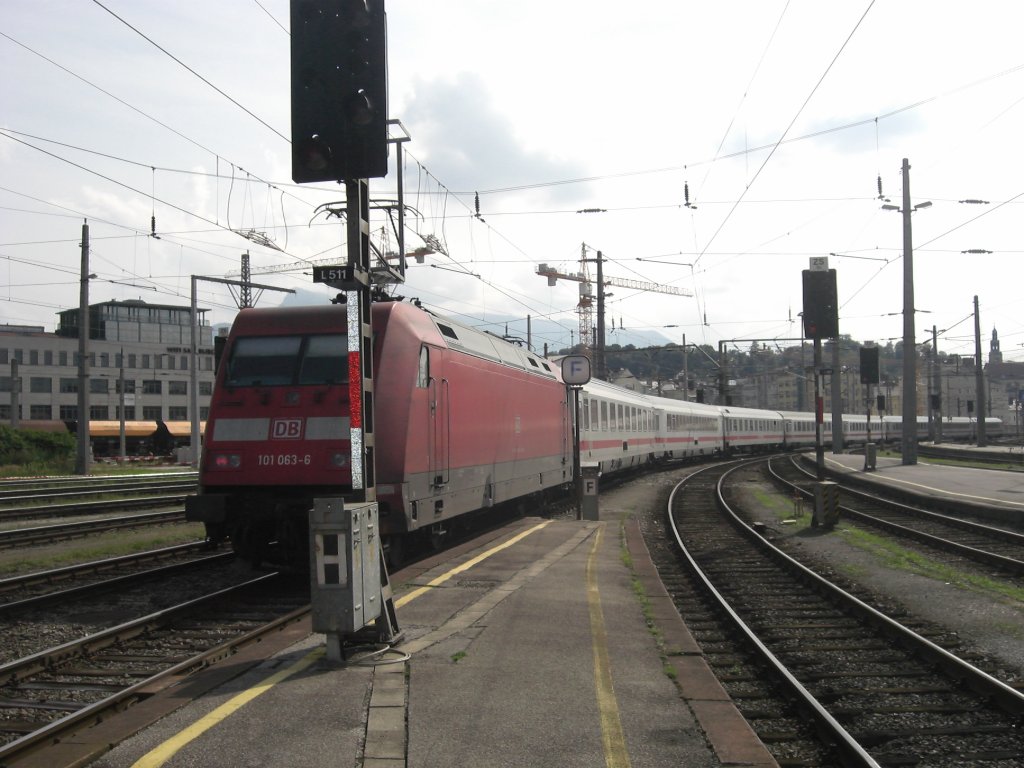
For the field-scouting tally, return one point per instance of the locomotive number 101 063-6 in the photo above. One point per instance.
(283, 460)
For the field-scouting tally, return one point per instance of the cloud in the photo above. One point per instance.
(469, 144)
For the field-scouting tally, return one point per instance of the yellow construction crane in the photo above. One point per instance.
(585, 307)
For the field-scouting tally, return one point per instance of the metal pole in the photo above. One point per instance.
(686, 371)
(599, 358)
(819, 412)
(837, 399)
(15, 395)
(193, 385)
(909, 434)
(82, 436)
(576, 462)
(937, 384)
(979, 378)
(120, 404)
(723, 379)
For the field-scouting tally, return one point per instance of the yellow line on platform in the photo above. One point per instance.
(409, 597)
(615, 753)
(160, 755)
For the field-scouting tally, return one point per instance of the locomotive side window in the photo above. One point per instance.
(263, 361)
(423, 371)
(325, 360)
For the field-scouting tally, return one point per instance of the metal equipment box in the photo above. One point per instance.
(344, 552)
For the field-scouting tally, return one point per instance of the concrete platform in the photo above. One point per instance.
(531, 648)
(983, 488)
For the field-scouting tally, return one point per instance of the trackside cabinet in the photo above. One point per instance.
(344, 552)
(590, 471)
(826, 504)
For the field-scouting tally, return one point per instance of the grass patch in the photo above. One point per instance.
(897, 557)
(458, 656)
(107, 545)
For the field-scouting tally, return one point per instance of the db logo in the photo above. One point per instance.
(286, 429)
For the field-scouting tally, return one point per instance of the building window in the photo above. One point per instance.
(204, 413)
(19, 355)
(151, 413)
(99, 386)
(131, 360)
(40, 384)
(6, 384)
(4, 356)
(69, 413)
(177, 413)
(68, 386)
(5, 413)
(177, 387)
(206, 388)
(184, 363)
(99, 413)
(129, 412)
(104, 360)
(33, 357)
(145, 361)
(41, 412)
(152, 387)
(62, 358)
(48, 358)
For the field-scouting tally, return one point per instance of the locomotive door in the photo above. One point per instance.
(438, 418)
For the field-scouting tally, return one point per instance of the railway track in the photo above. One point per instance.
(68, 497)
(50, 694)
(824, 678)
(91, 484)
(74, 582)
(962, 536)
(46, 534)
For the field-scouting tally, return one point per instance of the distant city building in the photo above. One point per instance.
(152, 342)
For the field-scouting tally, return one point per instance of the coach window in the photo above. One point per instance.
(423, 372)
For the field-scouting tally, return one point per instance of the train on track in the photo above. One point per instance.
(464, 421)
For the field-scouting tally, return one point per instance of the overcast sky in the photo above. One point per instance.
(779, 117)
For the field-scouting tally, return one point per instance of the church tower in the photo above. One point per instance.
(994, 355)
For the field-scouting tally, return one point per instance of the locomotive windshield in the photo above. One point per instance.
(269, 361)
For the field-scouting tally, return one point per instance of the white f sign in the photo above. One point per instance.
(576, 369)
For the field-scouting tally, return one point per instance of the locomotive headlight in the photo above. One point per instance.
(227, 461)
(339, 460)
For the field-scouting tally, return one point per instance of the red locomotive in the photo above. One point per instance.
(463, 421)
